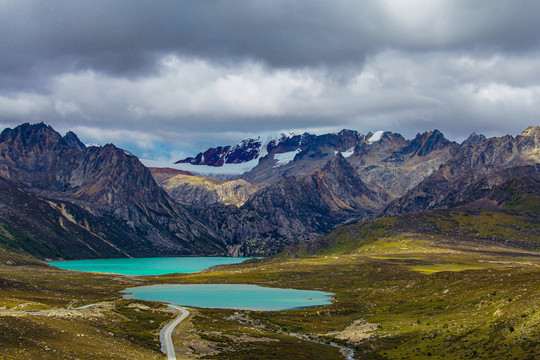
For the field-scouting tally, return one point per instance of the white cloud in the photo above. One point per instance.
(190, 103)
(23, 105)
(143, 139)
(191, 87)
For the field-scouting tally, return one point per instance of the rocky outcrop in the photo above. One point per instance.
(73, 141)
(36, 156)
(426, 143)
(397, 165)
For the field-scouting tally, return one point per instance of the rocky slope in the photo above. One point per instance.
(47, 229)
(345, 177)
(109, 182)
(508, 215)
(198, 191)
(477, 166)
(295, 209)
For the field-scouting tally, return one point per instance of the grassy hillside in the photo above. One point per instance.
(397, 297)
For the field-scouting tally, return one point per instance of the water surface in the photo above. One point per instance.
(147, 266)
(230, 296)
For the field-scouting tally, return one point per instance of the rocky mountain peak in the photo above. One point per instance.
(36, 156)
(30, 134)
(338, 164)
(473, 139)
(389, 136)
(533, 131)
(73, 141)
(425, 143)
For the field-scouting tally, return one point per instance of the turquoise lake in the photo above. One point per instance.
(230, 296)
(148, 266)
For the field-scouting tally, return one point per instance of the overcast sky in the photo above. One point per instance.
(166, 79)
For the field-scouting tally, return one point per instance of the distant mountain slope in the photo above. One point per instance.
(197, 191)
(248, 150)
(47, 229)
(383, 159)
(478, 165)
(108, 181)
(295, 209)
(507, 215)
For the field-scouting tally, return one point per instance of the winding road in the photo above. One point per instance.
(167, 346)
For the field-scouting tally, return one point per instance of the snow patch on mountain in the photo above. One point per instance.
(375, 137)
(348, 152)
(285, 158)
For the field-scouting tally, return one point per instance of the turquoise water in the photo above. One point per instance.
(148, 266)
(230, 296)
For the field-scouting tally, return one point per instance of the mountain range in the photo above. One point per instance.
(64, 200)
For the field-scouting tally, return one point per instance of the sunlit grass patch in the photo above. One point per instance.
(430, 269)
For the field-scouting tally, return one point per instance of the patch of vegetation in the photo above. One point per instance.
(111, 330)
(138, 323)
(522, 194)
(17, 242)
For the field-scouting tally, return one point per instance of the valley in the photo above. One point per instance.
(430, 247)
(398, 295)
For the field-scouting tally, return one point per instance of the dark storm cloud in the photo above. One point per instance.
(126, 36)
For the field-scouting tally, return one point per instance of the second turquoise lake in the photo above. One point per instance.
(230, 296)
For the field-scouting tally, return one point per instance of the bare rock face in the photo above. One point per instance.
(73, 141)
(312, 152)
(425, 143)
(389, 161)
(36, 156)
(397, 165)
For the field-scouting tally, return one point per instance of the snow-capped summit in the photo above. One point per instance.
(247, 150)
